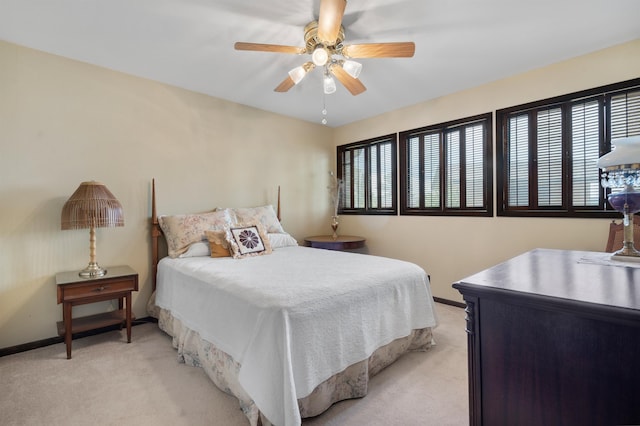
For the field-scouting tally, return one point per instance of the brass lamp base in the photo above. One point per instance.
(92, 270)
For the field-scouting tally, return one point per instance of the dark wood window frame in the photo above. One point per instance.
(349, 191)
(486, 210)
(603, 96)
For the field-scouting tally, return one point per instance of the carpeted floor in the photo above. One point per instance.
(109, 382)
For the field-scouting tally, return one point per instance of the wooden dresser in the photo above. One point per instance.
(554, 339)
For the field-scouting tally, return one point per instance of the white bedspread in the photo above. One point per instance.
(295, 317)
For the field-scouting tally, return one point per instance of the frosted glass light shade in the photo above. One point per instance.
(297, 74)
(329, 85)
(352, 68)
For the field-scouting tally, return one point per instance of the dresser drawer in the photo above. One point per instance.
(100, 288)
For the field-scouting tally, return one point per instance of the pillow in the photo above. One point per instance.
(283, 239)
(264, 214)
(218, 245)
(247, 240)
(198, 249)
(183, 230)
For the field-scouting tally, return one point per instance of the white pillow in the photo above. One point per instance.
(198, 249)
(281, 239)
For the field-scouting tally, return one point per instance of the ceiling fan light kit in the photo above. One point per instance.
(298, 73)
(323, 39)
(353, 68)
(329, 84)
(320, 56)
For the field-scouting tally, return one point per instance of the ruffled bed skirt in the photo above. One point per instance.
(223, 370)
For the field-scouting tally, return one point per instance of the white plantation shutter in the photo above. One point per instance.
(374, 175)
(359, 171)
(423, 192)
(585, 150)
(625, 115)
(431, 171)
(387, 175)
(347, 178)
(549, 150)
(474, 147)
(518, 165)
(413, 154)
(453, 168)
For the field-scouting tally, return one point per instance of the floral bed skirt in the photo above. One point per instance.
(223, 370)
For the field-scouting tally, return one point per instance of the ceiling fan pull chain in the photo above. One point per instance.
(324, 109)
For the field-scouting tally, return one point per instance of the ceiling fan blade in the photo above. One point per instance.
(353, 85)
(286, 84)
(380, 50)
(276, 48)
(330, 20)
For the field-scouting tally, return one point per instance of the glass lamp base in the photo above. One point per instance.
(626, 202)
(628, 253)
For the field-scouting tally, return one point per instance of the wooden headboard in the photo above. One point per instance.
(156, 233)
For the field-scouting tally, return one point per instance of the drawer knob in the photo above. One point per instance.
(101, 288)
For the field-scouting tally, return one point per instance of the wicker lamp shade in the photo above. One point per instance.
(92, 206)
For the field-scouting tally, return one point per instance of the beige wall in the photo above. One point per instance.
(451, 248)
(63, 122)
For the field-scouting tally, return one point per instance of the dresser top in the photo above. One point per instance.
(578, 276)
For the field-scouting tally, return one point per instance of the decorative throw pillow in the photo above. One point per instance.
(181, 231)
(266, 215)
(219, 247)
(247, 240)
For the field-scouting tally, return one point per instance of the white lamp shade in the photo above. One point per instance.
(624, 152)
(352, 68)
(329, 85)
(297, 74)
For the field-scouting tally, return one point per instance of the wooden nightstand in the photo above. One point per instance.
(342, 242)
(117, 283)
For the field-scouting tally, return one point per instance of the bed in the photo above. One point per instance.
(287, 330)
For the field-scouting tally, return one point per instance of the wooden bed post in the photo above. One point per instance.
(155, 234)
(278, 211)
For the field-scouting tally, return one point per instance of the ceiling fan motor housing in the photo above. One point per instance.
(312, 41)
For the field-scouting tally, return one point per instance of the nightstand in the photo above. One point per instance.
(342, 242)
(117, 283)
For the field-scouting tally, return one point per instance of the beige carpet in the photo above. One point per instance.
(110, 382)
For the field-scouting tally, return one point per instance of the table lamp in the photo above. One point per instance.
(621, 173)
(92, 206)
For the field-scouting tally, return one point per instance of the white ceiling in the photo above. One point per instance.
(189, 44)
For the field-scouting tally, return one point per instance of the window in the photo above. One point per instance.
(445, 169)
(368, 170)
(547, 151)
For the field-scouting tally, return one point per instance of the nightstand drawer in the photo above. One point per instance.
(80, 291)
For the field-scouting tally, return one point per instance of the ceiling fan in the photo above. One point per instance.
(324, 42)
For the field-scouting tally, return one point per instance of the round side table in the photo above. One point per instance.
(342, 242)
